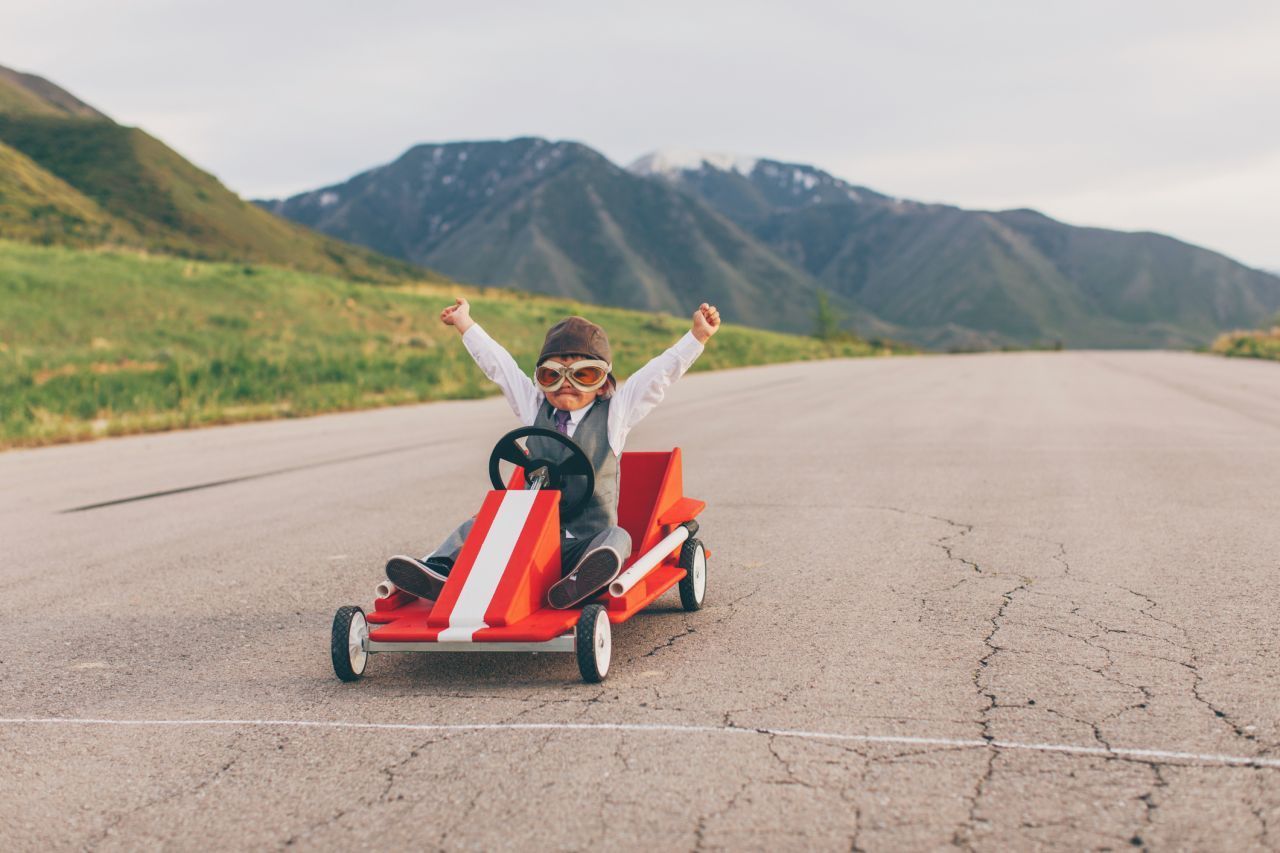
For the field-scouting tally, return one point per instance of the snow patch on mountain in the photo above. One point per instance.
(671, 161)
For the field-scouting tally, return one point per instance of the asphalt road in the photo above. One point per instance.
(1015, 601)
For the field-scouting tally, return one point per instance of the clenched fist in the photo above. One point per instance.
(706, 320)
(458, 315)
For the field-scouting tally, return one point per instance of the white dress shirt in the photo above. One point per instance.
(632, 400)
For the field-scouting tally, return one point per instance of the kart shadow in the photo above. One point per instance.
(496, 671)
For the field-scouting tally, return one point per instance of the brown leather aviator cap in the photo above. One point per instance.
(576, 335)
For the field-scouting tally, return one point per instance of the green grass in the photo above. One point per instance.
(1260, 344)
(103, 342)
(38, 207)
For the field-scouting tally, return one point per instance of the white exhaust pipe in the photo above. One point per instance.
(386, 589)
(632, 576)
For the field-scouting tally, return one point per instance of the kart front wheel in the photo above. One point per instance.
(348, 644)
(593, 641)
(693, 587)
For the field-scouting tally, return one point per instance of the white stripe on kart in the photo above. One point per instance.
(467, 615)
(1156, 756)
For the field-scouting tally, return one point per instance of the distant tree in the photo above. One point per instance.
(827, 320)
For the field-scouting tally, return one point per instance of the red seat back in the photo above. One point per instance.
(650, 483)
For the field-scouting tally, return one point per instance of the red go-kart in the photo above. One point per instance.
(495, 597)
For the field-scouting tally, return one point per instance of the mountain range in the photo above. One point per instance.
(71, 175)
(763, 238)
(559, 218)
(768, 241)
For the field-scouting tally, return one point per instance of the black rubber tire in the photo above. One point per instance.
(584, 636)
(338, 643)
(688, 595)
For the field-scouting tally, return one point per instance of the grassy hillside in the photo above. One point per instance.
(157, 200)
(102, 343)
(38, 207)
(70, 175)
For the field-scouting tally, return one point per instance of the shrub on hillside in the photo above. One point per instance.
(1244, 344)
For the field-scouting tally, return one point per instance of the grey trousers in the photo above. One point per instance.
(571, 550)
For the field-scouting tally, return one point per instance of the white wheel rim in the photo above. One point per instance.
(602, 643)
(699, 574)
(357, 635)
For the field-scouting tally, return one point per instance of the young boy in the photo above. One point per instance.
(574, 393)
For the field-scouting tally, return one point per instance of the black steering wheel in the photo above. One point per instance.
(570, 468)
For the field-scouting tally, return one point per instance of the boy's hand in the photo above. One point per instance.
(706, 320)
(458, 315)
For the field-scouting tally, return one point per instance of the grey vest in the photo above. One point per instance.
(592, 435)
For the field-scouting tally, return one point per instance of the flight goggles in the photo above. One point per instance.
(585, 375)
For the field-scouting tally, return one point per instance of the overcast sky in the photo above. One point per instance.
(1157, 116)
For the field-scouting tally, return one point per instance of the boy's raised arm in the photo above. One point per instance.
(648, 385)
(495, 361)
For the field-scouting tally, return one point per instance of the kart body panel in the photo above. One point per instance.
(496, 592)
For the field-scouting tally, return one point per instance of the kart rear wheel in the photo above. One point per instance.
(348, 644)
(593, 641)
(693, 587)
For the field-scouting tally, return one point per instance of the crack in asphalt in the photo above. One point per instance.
(700, 828)
(107, 831)
(964, 835)
(1013, 600)
(1022, 604)
(729, 608)
(944, 542)
(669, 642)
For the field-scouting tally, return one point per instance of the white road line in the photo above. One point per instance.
(1154, 755)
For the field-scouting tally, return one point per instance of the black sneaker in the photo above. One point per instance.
(595, 571)
(438, 565)
(423, 579)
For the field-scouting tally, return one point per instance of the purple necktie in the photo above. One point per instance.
(562, 422)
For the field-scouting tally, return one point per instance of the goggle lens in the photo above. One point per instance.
(590, 375)
(548, 376)
(583, 375)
